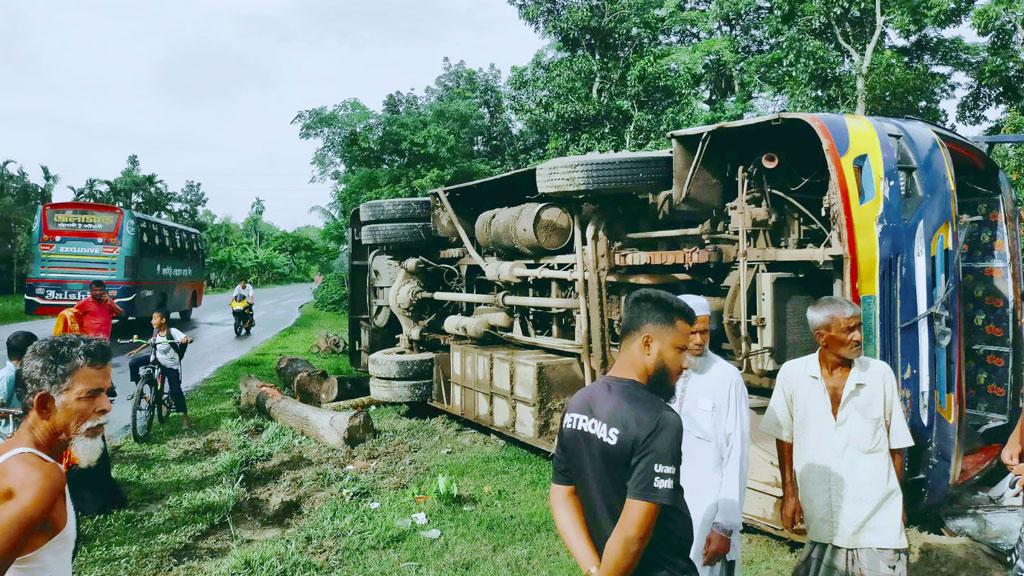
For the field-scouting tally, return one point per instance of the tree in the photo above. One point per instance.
(131, 189)
(254, 224)
(1010, 157)
(997, 75)
(335, 228)
(20, 198)
(145, 193)
(716, 42)
(890, 58)
(188, 205)
(609, 80)
(459, 129)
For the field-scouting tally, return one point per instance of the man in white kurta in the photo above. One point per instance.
(711, 399)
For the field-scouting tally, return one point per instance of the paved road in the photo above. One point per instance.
(211, 327)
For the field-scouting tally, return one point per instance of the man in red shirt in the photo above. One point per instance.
(96, 313)
(93, 488)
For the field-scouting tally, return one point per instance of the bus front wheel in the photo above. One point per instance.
(185, 315)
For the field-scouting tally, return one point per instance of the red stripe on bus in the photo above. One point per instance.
(830, 149)
(109, 282)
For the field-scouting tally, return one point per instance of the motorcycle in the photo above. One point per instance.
(241, 309)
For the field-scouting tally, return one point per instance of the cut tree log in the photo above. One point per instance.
(310, 384)
(336, 429)
(353, 404)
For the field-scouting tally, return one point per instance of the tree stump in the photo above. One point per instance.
(329, 343)
(310, 384)
(334, 428)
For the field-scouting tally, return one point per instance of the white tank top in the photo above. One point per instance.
(54, 557)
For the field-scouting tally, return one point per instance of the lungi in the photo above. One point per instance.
(820, 559)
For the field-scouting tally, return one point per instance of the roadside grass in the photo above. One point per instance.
(244, 495)
(12, 309)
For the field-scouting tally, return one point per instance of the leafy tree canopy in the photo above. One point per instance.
(20, 197)
(146, 193)
(997, 77)
(459, 129)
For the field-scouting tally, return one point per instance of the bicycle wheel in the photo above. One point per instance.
(143, 406)
(164, 404)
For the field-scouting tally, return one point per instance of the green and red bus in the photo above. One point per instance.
(147, 263)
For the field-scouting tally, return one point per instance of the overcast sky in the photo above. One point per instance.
(206, 90)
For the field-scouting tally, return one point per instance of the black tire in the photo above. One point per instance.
(143, 407)
(620, 172)
(400, 364)
(238, 327)
(248, 330)
(185, 315)
(401, 390)
(395, 210)
(163, 405)
(397, 233)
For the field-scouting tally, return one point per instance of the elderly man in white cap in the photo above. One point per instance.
(711, 399)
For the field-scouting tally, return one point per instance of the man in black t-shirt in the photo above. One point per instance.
(615, 492)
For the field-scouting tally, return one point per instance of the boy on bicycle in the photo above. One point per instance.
(167, 357)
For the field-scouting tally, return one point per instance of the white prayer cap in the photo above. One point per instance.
(699, 304)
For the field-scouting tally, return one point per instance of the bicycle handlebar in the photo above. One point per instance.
(137, 340)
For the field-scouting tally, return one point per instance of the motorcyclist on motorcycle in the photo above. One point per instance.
(245, 289)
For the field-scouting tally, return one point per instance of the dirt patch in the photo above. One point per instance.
(937, 555)
(215, 442)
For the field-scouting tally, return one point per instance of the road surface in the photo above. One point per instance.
(211, 326)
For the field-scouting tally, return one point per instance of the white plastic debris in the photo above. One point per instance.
(419, 518)
(374, 505)
(433, 533)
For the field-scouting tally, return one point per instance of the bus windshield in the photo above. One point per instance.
(70, 220)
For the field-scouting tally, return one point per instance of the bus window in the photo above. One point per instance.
(865, 178)
(910, 187)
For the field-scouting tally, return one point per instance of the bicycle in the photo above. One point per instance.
(8, 419)
(151, 396)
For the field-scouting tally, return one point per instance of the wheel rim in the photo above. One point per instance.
(163, 405)
(142, 410)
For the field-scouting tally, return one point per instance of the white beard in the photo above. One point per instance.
(697, 364)
(87, 451)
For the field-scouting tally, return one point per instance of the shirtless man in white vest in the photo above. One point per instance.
(63, 384)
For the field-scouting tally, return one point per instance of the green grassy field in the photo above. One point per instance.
(12, 309)
(243, 495)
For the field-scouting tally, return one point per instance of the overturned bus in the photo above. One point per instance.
(495, 300)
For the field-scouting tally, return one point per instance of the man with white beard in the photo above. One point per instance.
(63, 385)
(711, 399)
